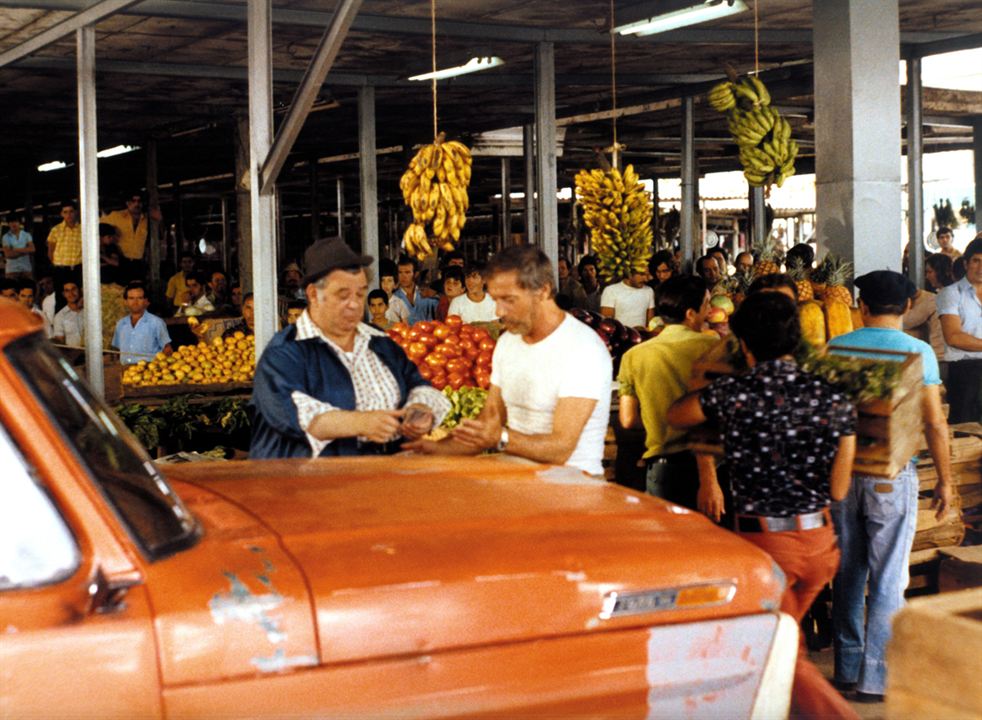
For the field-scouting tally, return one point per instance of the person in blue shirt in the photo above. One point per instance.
(139, 335)
(876, 521)
(960, 312)
(420, 307)
(18, 248)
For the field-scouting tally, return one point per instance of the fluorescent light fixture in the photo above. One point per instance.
(475, 64)
(55, 165)
(118, 150)
(689, 12)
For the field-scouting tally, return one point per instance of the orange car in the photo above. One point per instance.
(367, 587)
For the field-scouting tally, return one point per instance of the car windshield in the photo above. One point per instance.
(148, 507)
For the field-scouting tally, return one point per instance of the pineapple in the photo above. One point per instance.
(768, 257)
(799, 273)
(837, 272)
(740, 283)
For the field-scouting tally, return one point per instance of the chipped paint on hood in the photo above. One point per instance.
(241, 604)
(563, 475)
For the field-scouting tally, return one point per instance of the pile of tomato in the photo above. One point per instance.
(448, 354)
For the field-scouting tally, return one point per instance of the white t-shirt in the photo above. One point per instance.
(70, 324)
(630, 304)
(471, 311)
(397, 311)
(571, 362)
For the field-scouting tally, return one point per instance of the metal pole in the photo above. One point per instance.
(505, 203)
(340, 187)
(303, 99)
(757, 216)
(688, 172)
(262, 206)
(977, 152)
(88, 175)
(545, 134)
(79, 21)
(915, 173)
(227, 243)
(528, 148)
(153, 227)
(368, 176)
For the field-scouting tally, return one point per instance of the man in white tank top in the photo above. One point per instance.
(549, 399)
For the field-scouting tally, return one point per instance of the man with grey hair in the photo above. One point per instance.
(330, 384)
(549, 399)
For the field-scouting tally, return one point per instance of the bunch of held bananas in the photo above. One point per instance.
(767, 151)
(617, 209)
(435, 188)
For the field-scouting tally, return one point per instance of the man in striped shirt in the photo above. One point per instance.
(332, 385)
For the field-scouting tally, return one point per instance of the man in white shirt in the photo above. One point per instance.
(630, 301)
(475, 305)
(198, 301)
(69, 324)
(549, 399)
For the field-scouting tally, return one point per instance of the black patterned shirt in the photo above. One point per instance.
(780, 428)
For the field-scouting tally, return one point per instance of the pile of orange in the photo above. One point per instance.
(232, 359)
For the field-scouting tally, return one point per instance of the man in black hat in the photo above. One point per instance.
(332, 385)
(875, 522)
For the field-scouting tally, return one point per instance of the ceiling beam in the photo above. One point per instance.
(232, 72)
(86, 17)
(938, 47)
(184, 10)
(303, 99)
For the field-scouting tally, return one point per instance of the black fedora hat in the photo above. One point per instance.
(331, 253)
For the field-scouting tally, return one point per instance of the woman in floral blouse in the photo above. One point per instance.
(789, 440)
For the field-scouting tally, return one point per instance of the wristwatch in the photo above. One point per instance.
(503, 440)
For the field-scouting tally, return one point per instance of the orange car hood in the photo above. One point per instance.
(410, 555)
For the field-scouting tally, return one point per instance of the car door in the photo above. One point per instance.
(74, 642)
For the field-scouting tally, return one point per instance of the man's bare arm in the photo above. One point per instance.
(936, 434)
(951, 328)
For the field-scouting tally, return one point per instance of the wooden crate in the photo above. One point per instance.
(888, 430)
(933, 658)
(134, 392)
(961, 568)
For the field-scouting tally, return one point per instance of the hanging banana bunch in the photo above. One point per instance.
(435, 189)
(767, 151)
(617, 209)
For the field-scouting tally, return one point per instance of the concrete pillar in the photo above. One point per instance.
(528, 150)
(243, 204)
(505, 203)
(88, 171)
(545, 142)
(977, 148)
(263, 205)
(857, 131)
(688, 171)
(915, 173)
(368, 177)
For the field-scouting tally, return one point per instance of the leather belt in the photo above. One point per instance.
(764, 523)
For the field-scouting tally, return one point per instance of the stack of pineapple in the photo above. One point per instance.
(825, 303)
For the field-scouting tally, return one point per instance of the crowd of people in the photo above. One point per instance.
(786, 482)
(332, 382)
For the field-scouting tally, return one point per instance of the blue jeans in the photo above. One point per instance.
(875, 524)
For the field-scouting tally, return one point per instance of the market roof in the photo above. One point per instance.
(176, 71)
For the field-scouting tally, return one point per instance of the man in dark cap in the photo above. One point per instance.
(332, 385)
(875, 522)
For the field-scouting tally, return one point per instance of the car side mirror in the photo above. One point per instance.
(107, 595)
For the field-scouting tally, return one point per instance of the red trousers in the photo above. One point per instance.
(809, 559)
